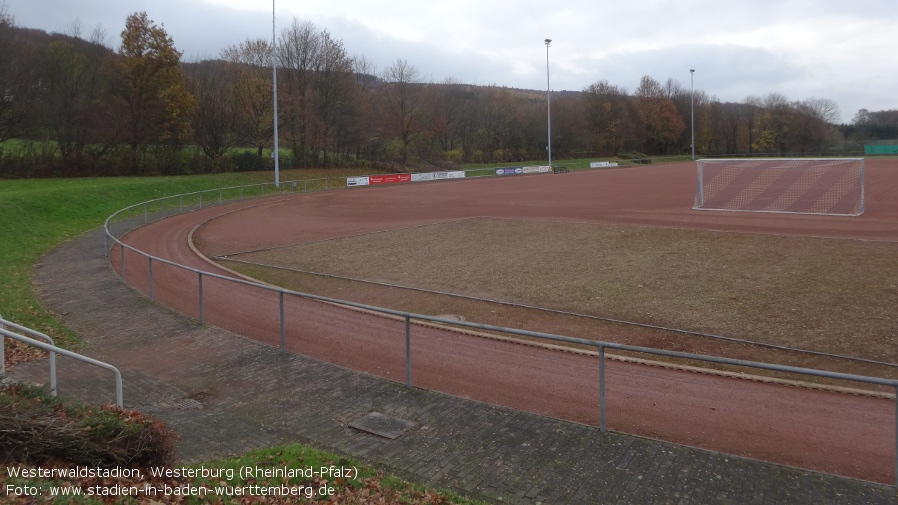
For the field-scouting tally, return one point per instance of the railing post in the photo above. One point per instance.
(2, 351)
(200, 275)
(146, 217)
(150, 278)
(283, 332)
(602, 388)
(52, 373)
(408, 351)
(119, 395)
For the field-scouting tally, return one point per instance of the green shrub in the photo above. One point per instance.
(249, 162)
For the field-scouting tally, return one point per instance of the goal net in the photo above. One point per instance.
(803, 186)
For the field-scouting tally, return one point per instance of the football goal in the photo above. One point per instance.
(833, 186)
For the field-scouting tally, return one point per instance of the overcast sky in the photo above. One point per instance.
(843, 50)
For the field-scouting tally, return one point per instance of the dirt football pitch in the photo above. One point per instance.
(599, 245)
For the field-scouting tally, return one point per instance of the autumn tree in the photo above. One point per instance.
(776, 124)
(156, 103)
(662, 125)
(608, 118)
(712, 126)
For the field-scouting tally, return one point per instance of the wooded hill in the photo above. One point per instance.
(73, 106)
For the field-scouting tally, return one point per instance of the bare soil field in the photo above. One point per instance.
(829, 295)
(819, 283)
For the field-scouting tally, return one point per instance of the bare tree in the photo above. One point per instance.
(751, 113)
(661, 122)
(252, 92)
(215, 117)
(446, 109)
(813, 121)
(16, 78)
(824, 109)
(333, 92)
(401, 105)
(733, 115)
(358, 131)
(299, 49)
(608, 117)
(74, 76)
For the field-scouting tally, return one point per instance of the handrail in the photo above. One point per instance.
(54, 349)
(3, 323)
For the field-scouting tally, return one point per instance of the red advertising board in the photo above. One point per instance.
(389, 179)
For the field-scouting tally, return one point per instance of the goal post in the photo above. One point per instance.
(831, 186)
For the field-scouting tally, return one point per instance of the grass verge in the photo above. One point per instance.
(38, 214)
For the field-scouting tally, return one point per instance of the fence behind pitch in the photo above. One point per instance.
(833, 186)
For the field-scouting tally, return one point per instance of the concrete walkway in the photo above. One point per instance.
(226, 394)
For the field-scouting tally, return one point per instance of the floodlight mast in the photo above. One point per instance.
(692, 106)
(274, 69)
(548, 104)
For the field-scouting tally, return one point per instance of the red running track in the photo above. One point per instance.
(830, 432)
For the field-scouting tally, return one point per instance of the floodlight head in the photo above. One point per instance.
(692, 70)
(548, 41)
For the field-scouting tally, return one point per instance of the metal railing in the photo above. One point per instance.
(54, 350)
(3, 324)
(600, 346)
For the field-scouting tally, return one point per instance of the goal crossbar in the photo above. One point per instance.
(830, 186)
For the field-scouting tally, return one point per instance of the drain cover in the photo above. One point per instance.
(189, 404)
(382, 425)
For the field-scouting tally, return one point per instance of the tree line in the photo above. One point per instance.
(72, 106)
